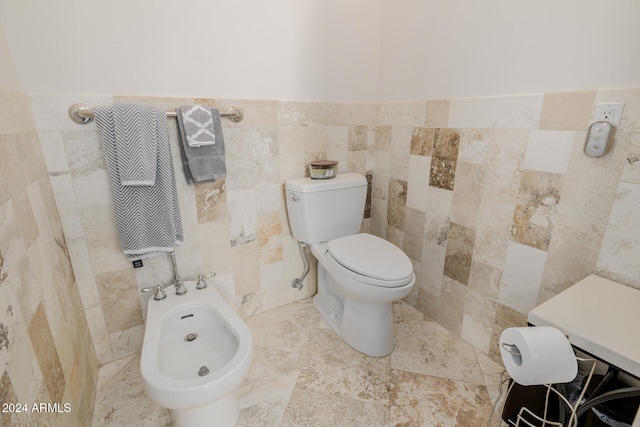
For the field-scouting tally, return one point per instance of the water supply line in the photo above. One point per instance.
(297, 282)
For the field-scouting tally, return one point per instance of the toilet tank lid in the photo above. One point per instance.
(308, 185)
(371, 256)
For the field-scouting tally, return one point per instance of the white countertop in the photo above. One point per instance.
(599, 316)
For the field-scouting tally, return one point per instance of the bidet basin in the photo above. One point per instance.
(196, 349)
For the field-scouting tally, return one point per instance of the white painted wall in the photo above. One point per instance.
(282, 49)
(329, 50)
(460, 48)
(8, 75)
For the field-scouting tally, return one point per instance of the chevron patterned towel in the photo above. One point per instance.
(147, 217)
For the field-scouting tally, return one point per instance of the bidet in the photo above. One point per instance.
(196, 352)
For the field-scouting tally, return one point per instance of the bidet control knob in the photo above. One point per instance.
(201, 283)
(158, 290)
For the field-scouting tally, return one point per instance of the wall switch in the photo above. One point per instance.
(609, 112)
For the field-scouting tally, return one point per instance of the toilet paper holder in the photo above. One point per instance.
(512, 348)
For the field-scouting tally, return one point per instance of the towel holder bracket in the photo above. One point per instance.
(80, 113)
(83, 114)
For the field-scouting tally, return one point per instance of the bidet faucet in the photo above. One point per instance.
(180, 288)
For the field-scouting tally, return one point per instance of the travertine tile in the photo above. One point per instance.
(593, 182)
(242, 215)
(618, 258)
(123, 401)
(357, 138)
(400, 151)
(118, 294)
(211, 200)
(572, 255)
(422, 347)
(537, 204)
(382, 161)
(8, 395)
(383, 138)
(286, 328)
(47, 355)
(418, 182)
(102, 239)
(412, 244)
(475, 145)
(467, 194)
(309, 408)
(522, 275)
(432, 266)
(631, 170)
(444, 158)
(338, 370)
(421, 400)
(257, 112)
(549, 151)
(477, 322)
(511, 112)
(507, 149)
(460, 241)
(302, 373)
(245, 260)
(437, 113)
(567, 110)
(266, 390)
(401, 114)
(493, 232)
(437, 215)
(422, 141)
(396, 203)
(451, 305)
(337, 149)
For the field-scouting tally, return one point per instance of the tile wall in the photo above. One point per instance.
(498, 207)
(236, 227)
(46, 351)
(492, 199)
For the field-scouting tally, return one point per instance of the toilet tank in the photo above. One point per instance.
(325, 209)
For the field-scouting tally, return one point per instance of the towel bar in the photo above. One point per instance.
(81, 113)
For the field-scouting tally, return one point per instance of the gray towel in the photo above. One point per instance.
(135, 129)
(198, 125)
(204, 163)
(147, 217)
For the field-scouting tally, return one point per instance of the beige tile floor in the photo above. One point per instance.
(302, 374)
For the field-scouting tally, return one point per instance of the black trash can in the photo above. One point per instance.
(612, 413)
(533, 398)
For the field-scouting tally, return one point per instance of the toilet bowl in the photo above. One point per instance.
(196, 352)
(359, 275)
(356, 289)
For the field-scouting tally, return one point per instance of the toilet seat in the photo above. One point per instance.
(372, 260)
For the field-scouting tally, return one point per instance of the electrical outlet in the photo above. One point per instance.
(609, 112)
(607, 115)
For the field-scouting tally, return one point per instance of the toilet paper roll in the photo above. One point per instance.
(538, 355)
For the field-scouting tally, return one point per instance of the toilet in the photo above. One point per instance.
(196, 352)
(359, 274)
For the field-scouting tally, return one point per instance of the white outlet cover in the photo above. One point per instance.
(616, 107)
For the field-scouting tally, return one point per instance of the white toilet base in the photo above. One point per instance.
(221, 413)
(368, 327)
(364, 326)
